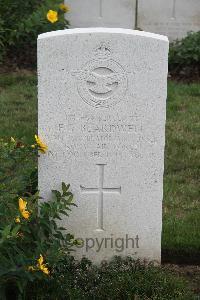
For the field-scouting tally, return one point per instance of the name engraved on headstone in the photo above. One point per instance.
(103, 136)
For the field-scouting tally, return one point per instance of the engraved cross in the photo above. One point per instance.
(100, 191)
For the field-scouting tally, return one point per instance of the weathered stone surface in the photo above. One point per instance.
(174, 18)
(102, 13)
(102, 99)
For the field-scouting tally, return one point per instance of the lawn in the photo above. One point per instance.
(18, 98)
(181, 208)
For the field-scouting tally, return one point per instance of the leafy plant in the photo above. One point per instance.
(184, 56)
(18, 175)
(20, 24)
(31, 240)
(118, 279)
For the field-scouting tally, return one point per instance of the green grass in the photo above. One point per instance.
(181, 222)
(181, 209)
(18, 102)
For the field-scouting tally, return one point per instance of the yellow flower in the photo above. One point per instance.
(40, 260)
(22, 204)
(42, 146)
(22, 208)
(25, 214)
(64, 7)
(17, 220)
(44, 269)
(42, 266)
(52, 16)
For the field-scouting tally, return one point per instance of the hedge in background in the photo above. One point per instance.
(184, 57)
(21, 22)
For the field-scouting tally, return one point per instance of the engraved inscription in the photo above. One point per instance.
(100, 190)
(102, 82)
(104, 136)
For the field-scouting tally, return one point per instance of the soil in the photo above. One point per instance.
(189, 272)
(181, 257)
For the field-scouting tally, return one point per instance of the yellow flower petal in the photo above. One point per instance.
(52, 16)
(40, 260)
(42, 266)
(17, 220)
(44, 269)
(42, 146)
(22, 204)
(22, 208)
(25, 214)
(64, 7)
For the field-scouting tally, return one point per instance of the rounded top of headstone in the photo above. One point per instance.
(103, 30)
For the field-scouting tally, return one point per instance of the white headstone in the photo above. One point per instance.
(174, 18)
(102, 99)
(102, 13)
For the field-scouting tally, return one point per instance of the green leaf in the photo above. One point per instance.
(64, 213)
(6, 230)
(65, 188)
(70, 199)
(15, 230)
(57, 194)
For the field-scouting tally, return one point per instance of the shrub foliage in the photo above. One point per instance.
(31, 240)
(21, 22)
(119, 279)
(184, 56)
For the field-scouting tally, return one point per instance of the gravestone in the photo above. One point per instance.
(174, 18)
(102, 13)
(102, 99)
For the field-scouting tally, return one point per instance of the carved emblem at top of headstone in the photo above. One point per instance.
(102, 82)
(103, 51)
